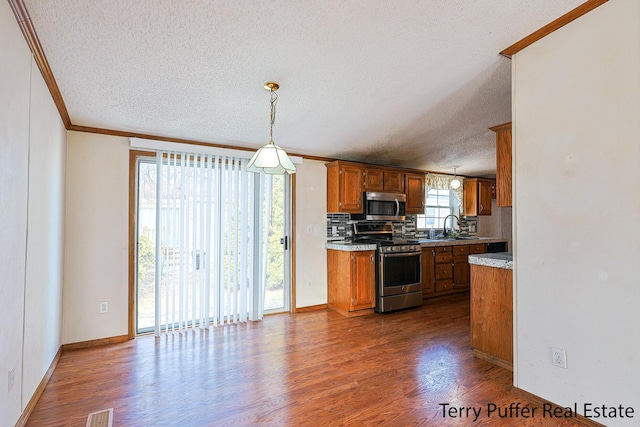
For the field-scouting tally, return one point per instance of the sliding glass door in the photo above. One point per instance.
(212, 242)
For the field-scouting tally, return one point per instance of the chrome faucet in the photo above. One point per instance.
(444, 224)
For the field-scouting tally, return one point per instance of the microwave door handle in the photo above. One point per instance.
(397, 207)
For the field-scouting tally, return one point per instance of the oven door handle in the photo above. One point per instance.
(403, 254)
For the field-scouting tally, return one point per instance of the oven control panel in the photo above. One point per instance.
(399, 248)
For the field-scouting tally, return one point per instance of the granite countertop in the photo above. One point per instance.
(497, 260)
(425, 243)
(350, 247)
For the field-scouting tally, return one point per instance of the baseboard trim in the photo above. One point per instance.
(95, 343)
(22, 421)
(539, 401)
(311, 308)
(493, 359)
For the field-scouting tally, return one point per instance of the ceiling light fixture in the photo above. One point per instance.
(271, 159)
(455, 181)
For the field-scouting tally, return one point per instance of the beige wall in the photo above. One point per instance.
(498, 224)
(311, 232)
(32, 158)
(576, 109)
(96, 238)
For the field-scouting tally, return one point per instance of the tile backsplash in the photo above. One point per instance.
(340, 227)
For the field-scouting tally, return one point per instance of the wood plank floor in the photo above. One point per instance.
(307, 369)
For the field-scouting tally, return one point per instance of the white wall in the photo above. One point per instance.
(14, 154)
(96, 237)
(32, 152)
(576, 109)
(45, 248)
(311, 232)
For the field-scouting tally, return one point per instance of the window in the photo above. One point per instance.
(438, 205)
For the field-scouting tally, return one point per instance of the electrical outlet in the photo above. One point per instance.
(12, 377)
(559, 357)
(104, 307)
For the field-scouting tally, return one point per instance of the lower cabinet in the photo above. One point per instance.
(351, 281)
(428, 272)
(445, 269)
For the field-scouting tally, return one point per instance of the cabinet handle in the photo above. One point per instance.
(481, 207)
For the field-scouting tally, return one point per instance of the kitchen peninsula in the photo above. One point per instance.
(492, 307)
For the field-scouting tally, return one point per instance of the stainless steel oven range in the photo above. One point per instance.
(398, 267)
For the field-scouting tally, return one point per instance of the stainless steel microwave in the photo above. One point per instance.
(384, 206)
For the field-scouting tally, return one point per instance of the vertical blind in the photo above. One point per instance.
(211, 240)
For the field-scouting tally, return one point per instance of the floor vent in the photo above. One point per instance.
(101, 418)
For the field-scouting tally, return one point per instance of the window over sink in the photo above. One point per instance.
(438, 204)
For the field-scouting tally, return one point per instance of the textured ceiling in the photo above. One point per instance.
(414, 83)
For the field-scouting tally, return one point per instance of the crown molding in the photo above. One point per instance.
(585, 7)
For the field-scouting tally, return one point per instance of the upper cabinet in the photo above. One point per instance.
(346, 181)
(478, 193)
(344, 187)
(373, 180)
(414, 189)
(383, 180)
(503, 164)
(393, 181)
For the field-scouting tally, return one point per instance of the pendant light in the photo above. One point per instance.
(455, 181)
(271, 159)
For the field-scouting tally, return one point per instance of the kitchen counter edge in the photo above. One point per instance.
(353, 247)
(502, 260)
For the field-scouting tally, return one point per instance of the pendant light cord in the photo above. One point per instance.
(274, 101)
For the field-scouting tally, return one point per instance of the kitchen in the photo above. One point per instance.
(379, 260)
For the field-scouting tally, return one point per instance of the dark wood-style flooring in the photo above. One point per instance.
(307, 369)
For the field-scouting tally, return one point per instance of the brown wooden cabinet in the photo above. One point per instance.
(446, 270)
(344, 187)
(351, 281)
(373, 180)
(478, 193)
(503, 164)
(428, 272)
(393, 181)
(346, 181)
(443, 268)
(461, 275)
(492, 314)
(414, 189)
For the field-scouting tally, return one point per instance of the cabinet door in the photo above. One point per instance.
(503, 164)
(486, 189)
(461, 272)
(478, 248)
(414, 189)
(373, 180)
(362, 280)
(350, 189)
(470, 197)
(428, 272)
(393, 181)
